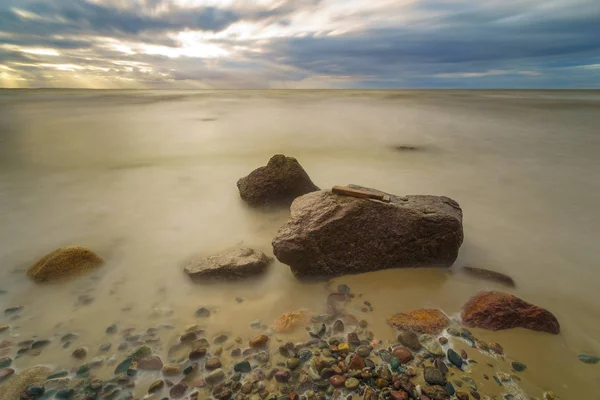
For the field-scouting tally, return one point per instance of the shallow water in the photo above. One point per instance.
(147, 179)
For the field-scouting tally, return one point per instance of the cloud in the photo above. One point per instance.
(299, 43)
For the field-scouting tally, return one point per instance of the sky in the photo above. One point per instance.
(299, 44)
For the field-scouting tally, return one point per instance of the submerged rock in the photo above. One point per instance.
(489, 275)
(329, 234)
(276, 184)
(289, 322)
(63, 262)
(231, 264)
(420, 321)
(496, 310)
(588, 358)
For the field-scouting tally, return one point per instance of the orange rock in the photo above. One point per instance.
(288, 322)
(259, 341)
(356, 362)
(421, 321)
(496, 310)
(402, 354)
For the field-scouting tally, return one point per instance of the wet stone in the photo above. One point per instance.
(105, 347)
(122, 346)
(152, 363)
(338, 326)
(317, 330)
(178, 390)
(5, 373)
(337, 381)
(439, 364)
(202, 312)
(293, 363)
(443, 340)
(410, 340)
(65, 394)
(455, 358)
(13, 310)
(588, 358)
(197, 354)
(112, 329)
(364, 351)
(156, 386)
(220, 339)
(464, 354)
(475, 395)
(212, 363)
(237, 352)
(402, 354)
(519, 367)
(259, 341)
(385, 355)
(215, 377)
(353, 339)
(188, 337)
(58, 374)
(434, 376)
(56, 384)
(5, 362)
(171, 370)
(431, 345)
(305, 355)
(79, 353)
(39, 344)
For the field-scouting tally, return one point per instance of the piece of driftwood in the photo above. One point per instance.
(346, 191)
(490, 275)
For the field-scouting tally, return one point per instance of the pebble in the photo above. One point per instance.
(353, 339)
(519, 367)
(364, 351)
(13, 310)
(255, 324)
(5, 362)
(317, 330)
(259, 341)
(588, 358)
(293, 363)
(239, 299)
(243, 367)
(434, 376)
(443, 340)
(402, 354)
(394, 364)
(151, 363)
(337, 381)
(178, 390)
(431, 345)
(410, 340)
(464, 354)
(455, 358)
(202, 312)
(112, 329)
(80, 353)
(305, 355)
(156, 386)
(96, 362)
(345, 289)
(450, 389)
(39, 344)
(338, 326)
(363, 323)
(171, 369)
(212, 363)
(188, 337)
(5, 373)
(462, 396)
(198, 353)
(385, 355)
(83, 370)
(282, 376)
(3, 328)
(356, 362)
(475, 395)
(215, 377)
(439, 364)
(220, 339)
(66, 394)
(190, 369)
(105, 347)
(497, 348)
(343, 347)
(141, 352)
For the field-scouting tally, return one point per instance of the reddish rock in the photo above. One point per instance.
(421, 321)
(259, 341)
(496, 310)
(398, 395)
(282, 376)
(337, 381)
(356, 362)
(497, 348)
(402, 354)
(152, 363)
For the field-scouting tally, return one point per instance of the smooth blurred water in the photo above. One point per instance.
(148, 178)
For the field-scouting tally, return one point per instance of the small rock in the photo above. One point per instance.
(305, 355)
(66, 394)
(3, 328)
(5, 373)
(156, 386)
(80, 353)
(464, 354)
(431, 345)
(439, 364)
(141, 352)
(243, 367)
(202, 312)
(356, 363)
(343, 347)
(220, 339)
(282, 376)
(410, 340)
(398, 395)
(293, 363)
(5, 362)
(317, 330)
(255, 324)
(364, 351)
(83, 370)
(434, 376)
(519, 367)
(212, 363)
(338, 326)
(337, 381)
(198, 353)
(58, 374)
(402, 354)
(353, 339)
(13, 310)
(385, 355)
(475, 395)
(178, 390)
(343, 289)
(239, 299)
(152, 363)
(56, 384)
(588, 358)
(352, 384)
(171, 370)
(497, 348)
(188, 337)
(259, 341)
(112, 329)
(215, 377)
(443, 340)
(455, 358)
(105, 347)
(435, 392)
(462, 396)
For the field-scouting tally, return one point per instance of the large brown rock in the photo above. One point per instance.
(329, 234)
(277, 184)
(231, 264)
(63, 262)
(496, 310)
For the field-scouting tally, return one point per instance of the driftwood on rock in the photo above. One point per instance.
(330, 235)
